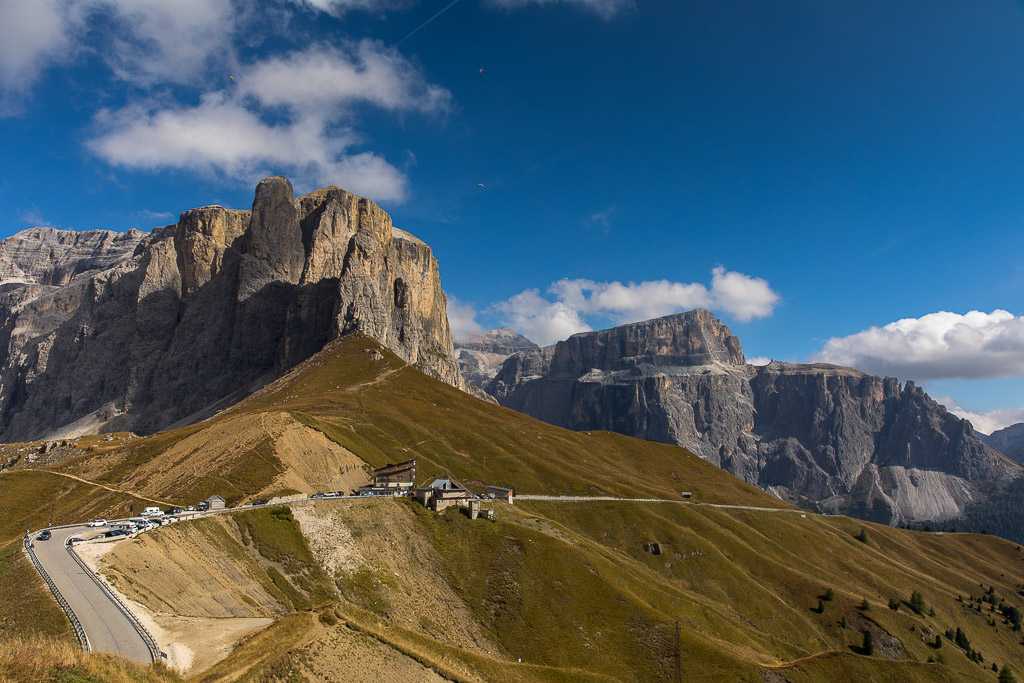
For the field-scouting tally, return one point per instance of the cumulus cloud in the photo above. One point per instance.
(32, 36)
(987, 422)
(605, 9)
(546, 321)
(324, 78)
(939, 345)
(462, 319)
(276, 122)
(542, 321)
(759, 360)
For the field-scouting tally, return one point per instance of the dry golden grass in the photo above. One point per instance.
(37, 658)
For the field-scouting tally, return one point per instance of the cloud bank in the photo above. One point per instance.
(295, 113)
(939, 345)
(288, 114)
(571, 305)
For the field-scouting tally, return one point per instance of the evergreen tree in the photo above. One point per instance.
(830, 594)
(862, 536)
(917, 602)
(868, 646)
(1006, 676)
(821, 606)
(865, 605)
(961, 640)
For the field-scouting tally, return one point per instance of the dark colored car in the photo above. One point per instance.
(173, 510)
(202, 506)
(116, 532)
(45, 536)
(260, 502)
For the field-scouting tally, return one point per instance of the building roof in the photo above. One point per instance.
(444, 484)
(213, 498)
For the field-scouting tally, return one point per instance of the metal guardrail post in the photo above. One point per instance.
(76, 625)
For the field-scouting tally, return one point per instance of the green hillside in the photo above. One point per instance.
(572, 589)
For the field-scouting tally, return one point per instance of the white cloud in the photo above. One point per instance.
(939, 345)
(986, 422)
(34, 218)
(232, 133)
(33, 34)
(154, 41)
(338, 8)
(605, 9)
(743, 296)
(542, 321)
(325, 78)
(547, 321)
(759, 360)
(462, 319)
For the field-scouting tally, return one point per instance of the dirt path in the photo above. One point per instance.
(102, 486)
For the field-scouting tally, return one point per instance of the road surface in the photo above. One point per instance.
(108, 629)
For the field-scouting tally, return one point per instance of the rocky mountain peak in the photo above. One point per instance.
(501, 340)
(157, 329)
(692, 338)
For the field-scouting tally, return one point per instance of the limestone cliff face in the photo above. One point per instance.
(201, 313)
(480, 355)
(851, 441)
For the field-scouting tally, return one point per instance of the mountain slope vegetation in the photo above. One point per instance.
(553, 590)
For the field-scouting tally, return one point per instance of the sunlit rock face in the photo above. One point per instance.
(847, 440)
(138, 331)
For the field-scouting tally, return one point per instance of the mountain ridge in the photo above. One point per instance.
(839, 437)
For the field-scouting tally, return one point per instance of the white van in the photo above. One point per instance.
(152, 512)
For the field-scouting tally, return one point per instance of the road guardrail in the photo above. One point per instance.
(76, 625)
(151, 644)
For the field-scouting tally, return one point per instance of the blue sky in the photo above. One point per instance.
(837, 180)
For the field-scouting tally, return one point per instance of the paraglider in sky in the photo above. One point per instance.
(481, 71)
(232, 78)
(479, 184)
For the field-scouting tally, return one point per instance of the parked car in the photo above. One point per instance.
(116, 532)
(97, 522)
(318, 495)
(202, 506)
(262, 501)
(152, 512)
(45, 536)
(74, 539)
(190, 508)
(173, 510)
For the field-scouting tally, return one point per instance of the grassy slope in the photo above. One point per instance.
(742, 583)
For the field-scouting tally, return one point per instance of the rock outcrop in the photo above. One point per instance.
(844, 439)
(136, 332)
(480, 355)
(1009, 441)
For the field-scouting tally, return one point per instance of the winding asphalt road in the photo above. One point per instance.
(108, 629)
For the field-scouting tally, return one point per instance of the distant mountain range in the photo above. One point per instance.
(103, 332)
(1008, 441)
(822, 435)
